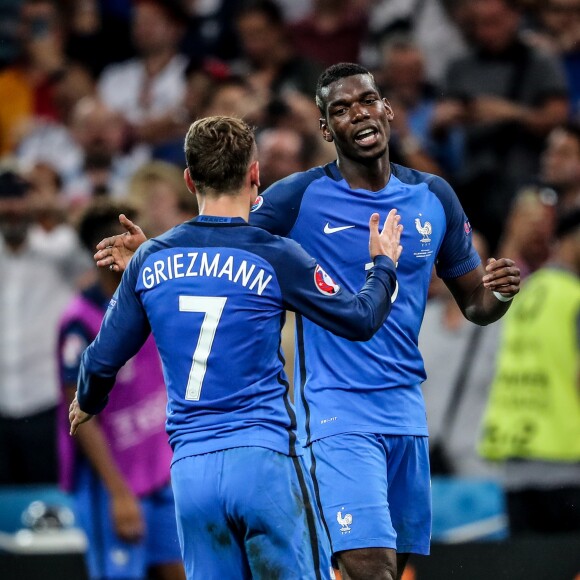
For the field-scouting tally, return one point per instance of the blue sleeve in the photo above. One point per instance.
(456, 256)
(124, 329)
(74, 339)
(308, 290)
(276, 210)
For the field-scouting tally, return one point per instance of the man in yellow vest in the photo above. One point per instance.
(532, 421)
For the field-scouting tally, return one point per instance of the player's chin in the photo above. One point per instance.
(371, 154)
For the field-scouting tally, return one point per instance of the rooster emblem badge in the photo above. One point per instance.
(425, 230)
(344, 521)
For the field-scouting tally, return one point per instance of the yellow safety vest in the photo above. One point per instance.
(534, 406)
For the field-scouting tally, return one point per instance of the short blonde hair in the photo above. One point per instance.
(218, 151)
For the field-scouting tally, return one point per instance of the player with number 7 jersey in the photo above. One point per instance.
(214, 291)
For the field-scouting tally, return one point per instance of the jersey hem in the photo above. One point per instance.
(375, 430)
(187, 451)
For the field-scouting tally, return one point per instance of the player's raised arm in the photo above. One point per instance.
(484, 295)
(115, 252)
(308, 290)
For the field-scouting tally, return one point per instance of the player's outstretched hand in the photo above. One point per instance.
(115, 252)
(76, 416)
(502, 276)
(388, 241)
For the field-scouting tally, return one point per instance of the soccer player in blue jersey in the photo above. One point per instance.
(213, 292)
(360, 409)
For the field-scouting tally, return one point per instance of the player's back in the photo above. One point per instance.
(211, 294)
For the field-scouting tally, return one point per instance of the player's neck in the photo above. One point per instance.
(226, 205)
(372, 176)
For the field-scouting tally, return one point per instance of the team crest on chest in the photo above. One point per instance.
(324, 282)
(425, 229)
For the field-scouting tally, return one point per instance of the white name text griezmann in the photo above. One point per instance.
(195, 264)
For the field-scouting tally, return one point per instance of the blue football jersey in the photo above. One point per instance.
(214, 292)
(372, 386)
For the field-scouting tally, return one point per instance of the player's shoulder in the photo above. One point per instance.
(415, 177)
(172, 237)
(273, 248)
(436, 184)
(297, 183)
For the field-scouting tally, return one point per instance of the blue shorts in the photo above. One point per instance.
(248, 512)
(374, 491)
(112, 558)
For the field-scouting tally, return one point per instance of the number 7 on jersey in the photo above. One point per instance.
(212, 307)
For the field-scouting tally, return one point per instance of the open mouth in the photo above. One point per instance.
(367, 137)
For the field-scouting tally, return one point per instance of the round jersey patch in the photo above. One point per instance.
(257, 204)
(324, 282)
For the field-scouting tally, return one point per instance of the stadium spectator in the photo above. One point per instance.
(117, 468)
(332, 32)
(432, 24)
(233, 427)
(27, 85)
(235, 96)
(9, 19)
(506, 96)
(560, 165)
(529, 231)
(210, 29)
(100, 157)
(282, 152)
(159, 193)
(401, 76)
(559, 33)
(360, 409)
(148, 90)
(297, 112)
(456, 392)
(37, 283)
(50, 141)
(98, 33)
(267, 58)
(532, 421)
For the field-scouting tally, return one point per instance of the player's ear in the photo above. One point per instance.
(326, 134)
(255, 173)
(189, 181)
(389, 109)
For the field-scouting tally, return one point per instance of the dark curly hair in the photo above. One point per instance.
(334, 73)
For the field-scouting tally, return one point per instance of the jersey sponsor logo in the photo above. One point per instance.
(112, 303)
(467, 227)
(324, 282)
(258, 203)
(330, 230)
(424, 229)
(344, 521)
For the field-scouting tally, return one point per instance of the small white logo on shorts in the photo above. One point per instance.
(344, 521)
(119, 557)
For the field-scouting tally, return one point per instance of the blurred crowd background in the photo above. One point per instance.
(96, 97)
